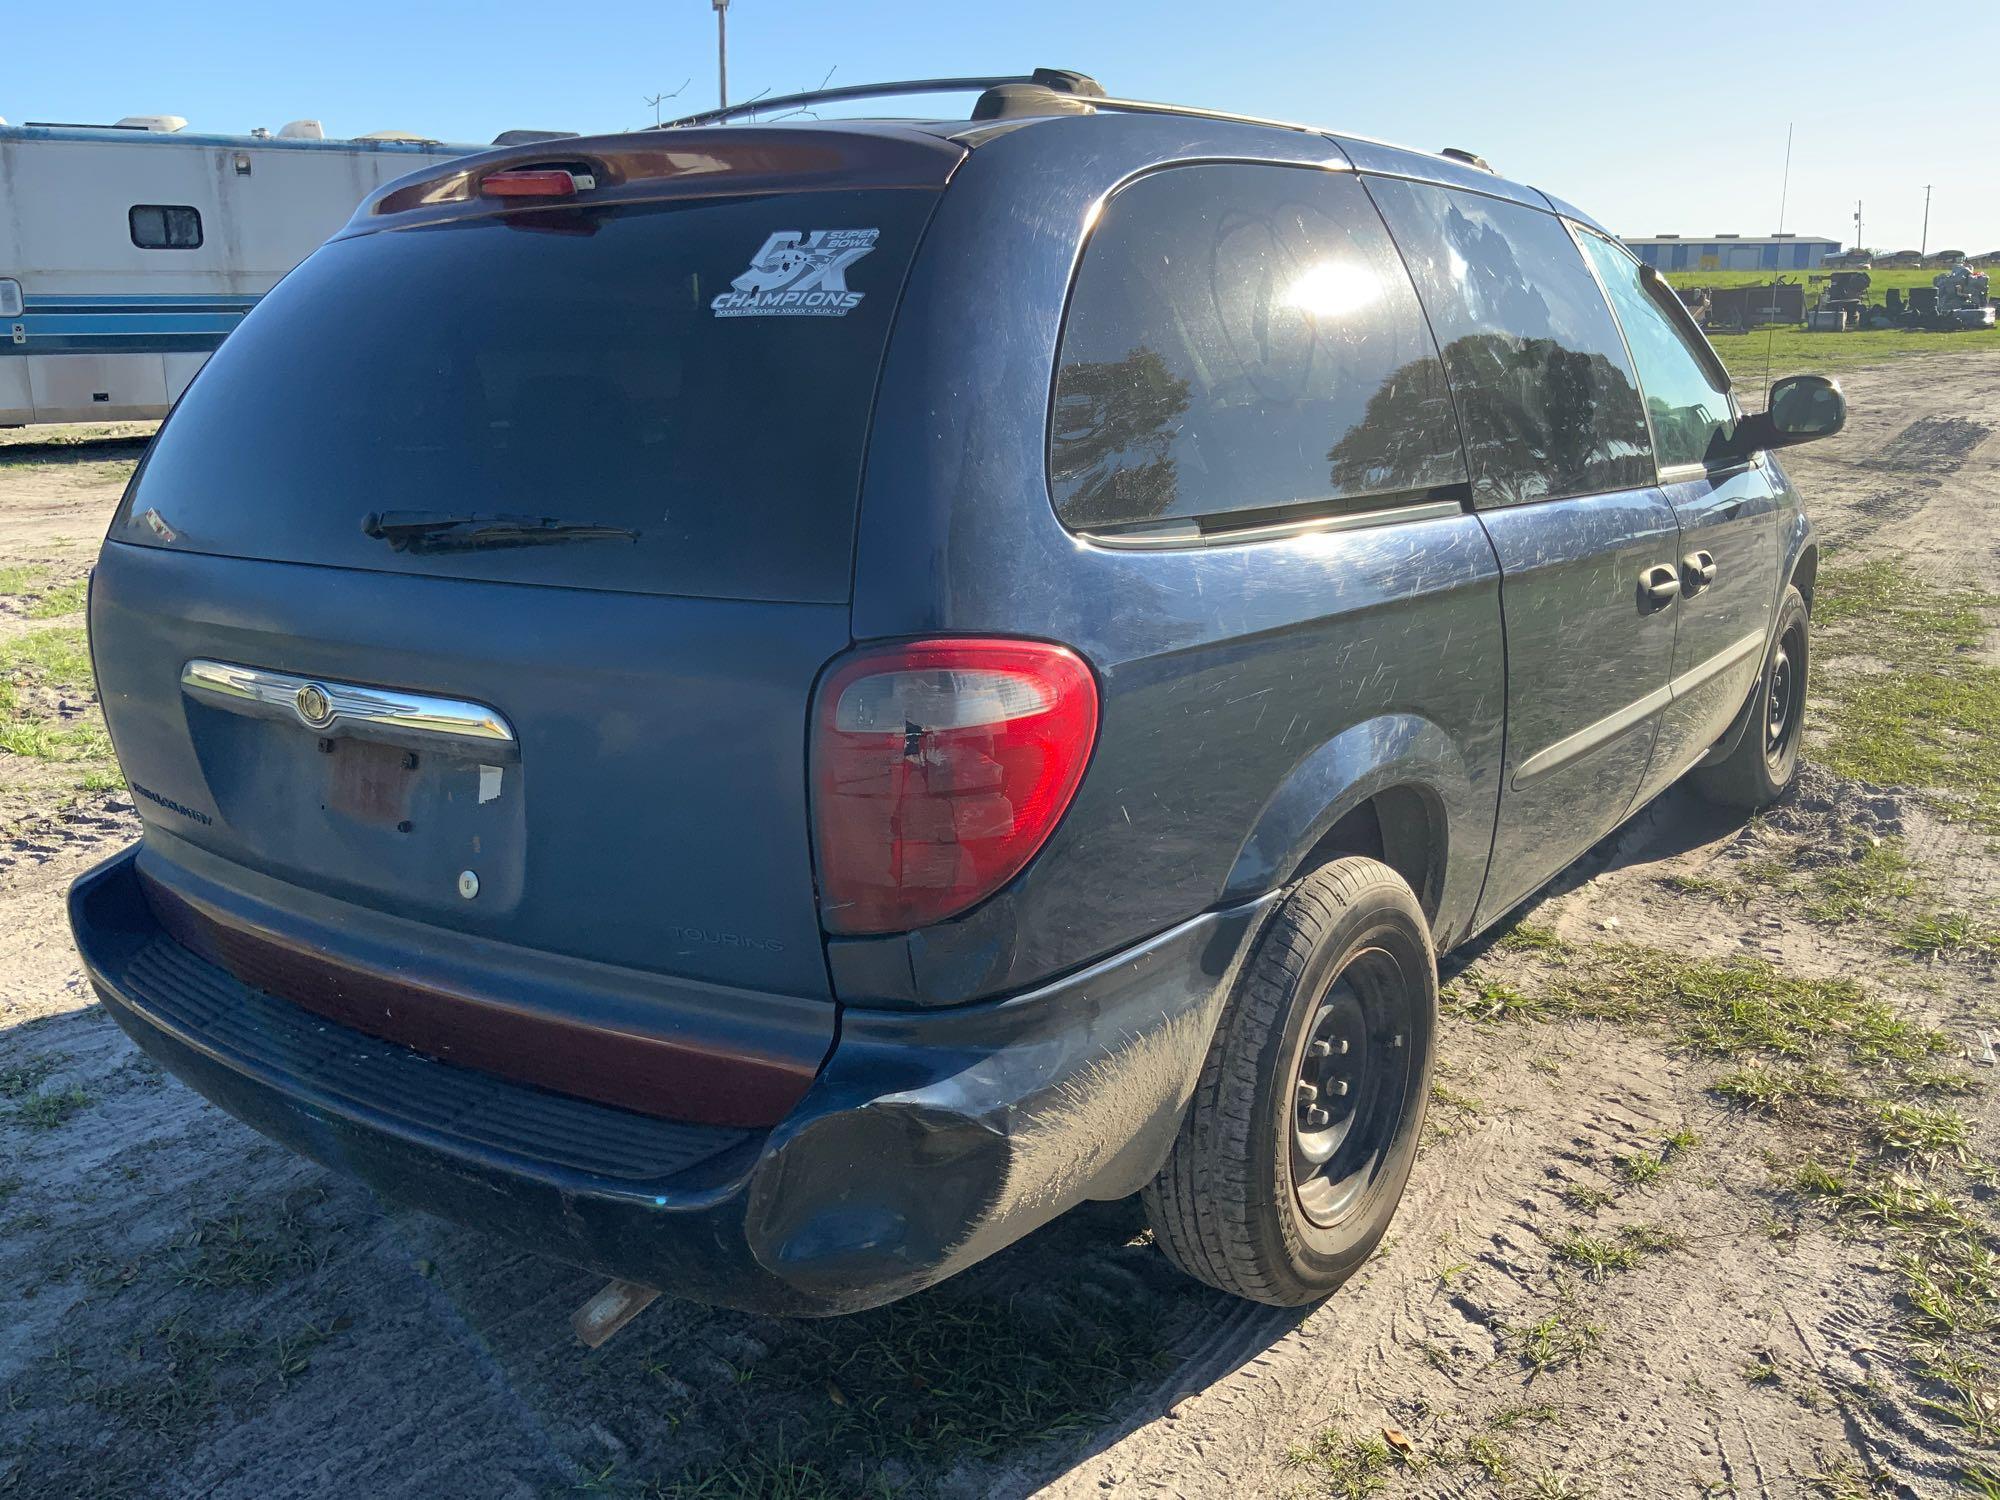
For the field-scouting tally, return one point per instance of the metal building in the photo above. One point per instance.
(1733, 252)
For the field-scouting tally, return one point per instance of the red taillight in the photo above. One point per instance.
(939, 768)
(541, 183)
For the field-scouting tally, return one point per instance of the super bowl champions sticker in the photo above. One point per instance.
(799, 275)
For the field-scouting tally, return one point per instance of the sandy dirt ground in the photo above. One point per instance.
(1646, 1252)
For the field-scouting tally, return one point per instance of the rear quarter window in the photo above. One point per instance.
(700, 372)
(1545, 391)
(1242, 342)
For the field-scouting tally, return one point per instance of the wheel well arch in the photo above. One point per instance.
(1805, 573)
(1403, 826)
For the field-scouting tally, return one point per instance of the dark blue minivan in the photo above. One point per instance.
(764, 709)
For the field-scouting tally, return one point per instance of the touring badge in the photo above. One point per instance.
(799, 275)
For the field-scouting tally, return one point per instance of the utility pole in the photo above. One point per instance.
(1857, 224)
(1924, 247)
(721, 53)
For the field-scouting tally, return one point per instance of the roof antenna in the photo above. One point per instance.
(1771, 327)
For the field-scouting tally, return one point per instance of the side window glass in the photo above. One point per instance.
(1689, 410)
(165, 226)
(1545, 390)
(1244, 339)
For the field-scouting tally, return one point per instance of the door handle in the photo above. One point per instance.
(1698, 570)
(1659, 585)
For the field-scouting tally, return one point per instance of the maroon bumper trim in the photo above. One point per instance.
(673, 1075)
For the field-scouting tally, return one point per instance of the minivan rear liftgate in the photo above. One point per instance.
(461, 665)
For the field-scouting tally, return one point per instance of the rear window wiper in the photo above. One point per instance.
(437, 531)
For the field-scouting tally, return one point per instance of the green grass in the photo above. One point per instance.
(25, 1078)
(923, 1384)
(1948, 932)
(64, 599)
(1564, 1337)
(1887, 1161)
(1905, 278)
(1780, 1091)
(1644, 1168)
(1740, 1007)
(1598, 1255)
(1340, 1464)
(39, 739)
(1918, 709)
(58, 655)
(47, 1108)
(234, 1250)
(1588, 1199)
(1912, 1130)
(1526, 937)
(1949, 1275)
(1792, 351)
(1479, 999)
(172, 1382)
(19, 580)
(54, 659)
(1735, 1007)
(1877, 881)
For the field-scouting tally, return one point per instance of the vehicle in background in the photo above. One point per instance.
(128, 251)
(767, 709)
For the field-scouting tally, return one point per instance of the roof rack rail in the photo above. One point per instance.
(1054, 79)
(1070, 87)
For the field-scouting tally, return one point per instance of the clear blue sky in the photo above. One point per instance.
(1654, 119)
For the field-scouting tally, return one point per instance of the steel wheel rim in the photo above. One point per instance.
(1349, 1081)
(1781, 701)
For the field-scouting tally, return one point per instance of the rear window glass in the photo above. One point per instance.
(1243, 339)
(1545, 391)
(698, 373)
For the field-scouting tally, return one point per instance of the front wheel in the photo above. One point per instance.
(1303, 1128)
(1761, 767)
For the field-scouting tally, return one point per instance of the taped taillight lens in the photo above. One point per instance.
(939, 768)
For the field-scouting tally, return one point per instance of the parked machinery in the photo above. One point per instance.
(1955, 299)
(1961, 300)
(1843, 305)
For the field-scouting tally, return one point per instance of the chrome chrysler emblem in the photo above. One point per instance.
(313, 705)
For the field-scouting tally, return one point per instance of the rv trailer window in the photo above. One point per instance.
(165, 226)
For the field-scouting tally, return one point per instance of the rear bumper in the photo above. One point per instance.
(928, 1141)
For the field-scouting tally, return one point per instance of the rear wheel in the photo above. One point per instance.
(1303, 1129)
(1761, 767)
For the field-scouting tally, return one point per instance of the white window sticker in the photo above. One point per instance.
(799, 275)
(489, 783)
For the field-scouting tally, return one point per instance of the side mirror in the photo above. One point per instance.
(1802, 409)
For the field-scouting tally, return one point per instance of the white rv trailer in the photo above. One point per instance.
(128, 251)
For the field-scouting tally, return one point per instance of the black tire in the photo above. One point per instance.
(1347, 960)
(1766, 759)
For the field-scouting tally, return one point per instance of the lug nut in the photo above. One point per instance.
(1319, 1049)
(1339, 1087)
(1316, 1117)
(1307, 1093)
